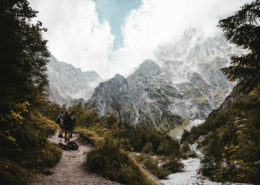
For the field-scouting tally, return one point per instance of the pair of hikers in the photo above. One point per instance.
(67, 122)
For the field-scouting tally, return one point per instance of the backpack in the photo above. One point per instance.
(58, 120)
(67, 121)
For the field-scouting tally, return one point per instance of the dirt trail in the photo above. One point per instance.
(70, 169)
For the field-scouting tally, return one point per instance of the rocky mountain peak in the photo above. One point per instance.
(188, 82)
(148, 68)
(67, 83)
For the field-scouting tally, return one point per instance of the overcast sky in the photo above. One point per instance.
(114, 36)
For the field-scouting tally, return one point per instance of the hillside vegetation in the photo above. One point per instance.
(24, 109)
(230, 136)
(230, 140)
(116, 146)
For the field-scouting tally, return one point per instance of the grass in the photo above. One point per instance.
(109, 162)
(90, 135)
(116, 165)
(152, 164)
(32, 153)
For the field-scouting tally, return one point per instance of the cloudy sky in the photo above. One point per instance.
(114, 36)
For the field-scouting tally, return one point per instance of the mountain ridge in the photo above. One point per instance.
(185, 81)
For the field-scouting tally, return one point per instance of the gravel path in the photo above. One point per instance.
(70, 169)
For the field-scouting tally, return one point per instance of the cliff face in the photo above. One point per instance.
(185, 82)
(66, 83)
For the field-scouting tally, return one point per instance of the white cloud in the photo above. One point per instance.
(76, 36)
(162, 21)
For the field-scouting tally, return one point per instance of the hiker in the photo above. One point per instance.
(67, 123)
(73, 122)
(61, 122)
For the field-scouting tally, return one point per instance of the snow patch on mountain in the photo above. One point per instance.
(185, 80)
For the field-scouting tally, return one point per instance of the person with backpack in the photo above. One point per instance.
(60, 121)
(73, 122)
(67, 124)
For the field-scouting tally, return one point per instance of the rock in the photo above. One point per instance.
(69, 146)
(69, 85)
(187, 83)
(47, 172)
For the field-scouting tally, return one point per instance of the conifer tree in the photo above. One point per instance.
(243, 30)
(23, 55)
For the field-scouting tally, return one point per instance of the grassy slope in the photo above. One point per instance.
(34, 152)
(107, 161)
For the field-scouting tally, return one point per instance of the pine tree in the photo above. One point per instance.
(23, 55)
(243, 30)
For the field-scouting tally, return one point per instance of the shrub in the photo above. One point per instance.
(174, 165)
(148, 148)
(113, 164)
(155, 169)
(185, 135)
(163, 149)
(185, 147)
(23, 147)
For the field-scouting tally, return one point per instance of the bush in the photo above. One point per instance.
(155, 169)
(185, 135)
(192, 154)
(174, 165)
(113, 164)
(185, 147)
(148, 148)
(23, 147)
(163, 149)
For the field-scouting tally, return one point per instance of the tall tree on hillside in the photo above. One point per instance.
(23, 55)
(243, 30)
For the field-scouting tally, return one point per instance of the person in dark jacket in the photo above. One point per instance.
(73, 123)
(61, 118)
(67, 124)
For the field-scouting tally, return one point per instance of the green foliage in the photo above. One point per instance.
(23, 145)
(173, 165)
(50, 110)
(185, 135)
(169, 165)
(86, 116)
(111, 163)
(104, 134)
(23, 54)
(152, 165)
(138, 137)
(148, 148)
(185, 147)
(23, 125)
(230, 138)
(243, 30)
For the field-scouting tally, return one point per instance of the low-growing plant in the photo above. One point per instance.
(23, 146)
(148, 148)
(113, 164)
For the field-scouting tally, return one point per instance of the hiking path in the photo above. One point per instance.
(70, 169)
